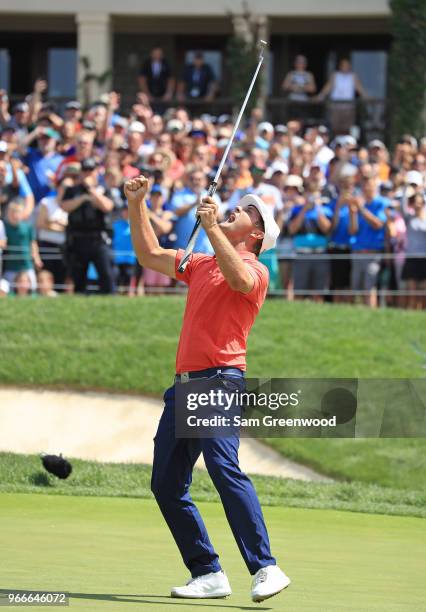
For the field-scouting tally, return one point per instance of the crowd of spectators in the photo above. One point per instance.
(352, 216)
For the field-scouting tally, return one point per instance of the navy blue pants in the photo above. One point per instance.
(174, 460)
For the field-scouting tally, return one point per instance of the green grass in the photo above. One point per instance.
(129, 344)
(390, 462)
(117, 554)
(24, 474)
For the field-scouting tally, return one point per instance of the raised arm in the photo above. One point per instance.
(231, 265)
(145, 242)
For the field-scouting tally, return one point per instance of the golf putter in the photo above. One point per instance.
(213, 185)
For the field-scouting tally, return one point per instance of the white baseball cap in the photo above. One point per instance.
(272, 230)
(265, 126)
(137, 126)
(276, 166)
(414, 177)
(175, 125)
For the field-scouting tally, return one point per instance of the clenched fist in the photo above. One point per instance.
(135, 190)
(208, 212)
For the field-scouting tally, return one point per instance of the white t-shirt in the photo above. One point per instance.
(343, 86)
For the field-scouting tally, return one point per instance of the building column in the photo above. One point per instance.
(94, 47)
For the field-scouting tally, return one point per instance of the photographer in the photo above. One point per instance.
(89, 228)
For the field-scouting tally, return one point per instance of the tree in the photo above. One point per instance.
(243, 56)
(408, 68)
(89, 79)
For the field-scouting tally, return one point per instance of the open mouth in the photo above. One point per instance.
(231, 217)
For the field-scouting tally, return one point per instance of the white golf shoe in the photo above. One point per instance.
(209, 586)
(267, 582)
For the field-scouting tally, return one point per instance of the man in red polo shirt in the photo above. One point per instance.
(225, 294)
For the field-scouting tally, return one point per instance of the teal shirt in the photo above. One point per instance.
(19, 239)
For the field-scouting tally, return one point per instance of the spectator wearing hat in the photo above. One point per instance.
(73, 112)
(156, 79)
(89, 229)
(198, 81)
(309, 224)
(120, 125)
(176, 128)
(20, 119)
(265, 135)
(43, 161)
(342, 87)
(367, 220)
(414, 179)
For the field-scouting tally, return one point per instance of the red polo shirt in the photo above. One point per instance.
(217, 319)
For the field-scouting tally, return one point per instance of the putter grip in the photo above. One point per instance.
(194, 234)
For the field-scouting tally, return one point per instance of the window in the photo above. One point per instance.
(62, 73)
(371, 67)
(4, 69)
(213, 58)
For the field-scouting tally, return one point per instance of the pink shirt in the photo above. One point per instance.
(217, 319)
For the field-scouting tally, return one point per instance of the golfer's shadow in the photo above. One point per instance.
(139, 598)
